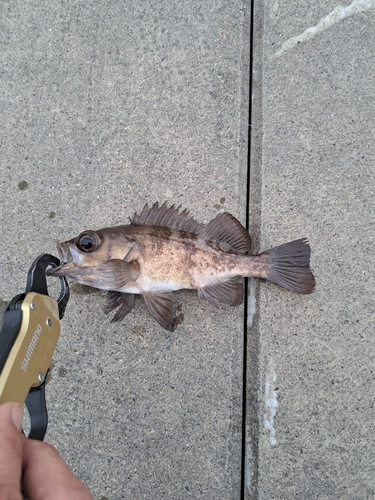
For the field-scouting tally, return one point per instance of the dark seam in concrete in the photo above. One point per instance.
(244, 374)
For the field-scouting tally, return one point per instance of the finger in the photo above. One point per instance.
(46, 475)
(11, 446)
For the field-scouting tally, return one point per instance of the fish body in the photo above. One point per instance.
(163, 250)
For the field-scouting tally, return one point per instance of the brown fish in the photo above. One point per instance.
(163, 249)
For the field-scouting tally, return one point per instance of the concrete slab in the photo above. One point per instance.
(311, 420)
(107, 106)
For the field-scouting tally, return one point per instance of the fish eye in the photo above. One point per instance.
(88, 241)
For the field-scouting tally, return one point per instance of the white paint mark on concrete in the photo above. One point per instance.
(248, 456)
(271, 404)
(337, 14)
(251, 301)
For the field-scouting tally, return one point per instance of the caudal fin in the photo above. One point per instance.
(290, 266)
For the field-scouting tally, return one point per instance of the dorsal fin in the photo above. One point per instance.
(224, 228)
(167, 217)
(227, 229)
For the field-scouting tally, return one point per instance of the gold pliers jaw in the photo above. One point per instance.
(31, 328)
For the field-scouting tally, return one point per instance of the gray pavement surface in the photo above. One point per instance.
(106, 106)
(311, 417)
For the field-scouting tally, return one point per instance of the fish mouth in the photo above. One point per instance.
(67, 265)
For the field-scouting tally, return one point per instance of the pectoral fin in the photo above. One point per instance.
(134, 254)
(230, 292)
(124, 302)
(161, 307)
(115, 273)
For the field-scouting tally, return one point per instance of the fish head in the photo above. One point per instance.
(92, 257)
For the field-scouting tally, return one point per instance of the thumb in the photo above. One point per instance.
(16, 413)
(11, 449)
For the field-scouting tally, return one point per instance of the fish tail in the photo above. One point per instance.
(290, 266)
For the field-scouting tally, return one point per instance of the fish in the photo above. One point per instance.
(164, 249)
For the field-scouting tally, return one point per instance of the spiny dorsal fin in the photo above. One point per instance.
(227, 229)
(223, 229)
(167, 217)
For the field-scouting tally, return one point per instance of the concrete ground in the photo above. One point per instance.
(311, 375)
(107, 106)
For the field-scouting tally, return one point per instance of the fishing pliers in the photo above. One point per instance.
(30, 331)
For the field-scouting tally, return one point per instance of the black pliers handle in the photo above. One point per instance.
(31, 328)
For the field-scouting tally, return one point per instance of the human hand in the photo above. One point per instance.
(37, 465)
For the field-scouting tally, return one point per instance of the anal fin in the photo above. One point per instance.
(161, 307)
(230, 292)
